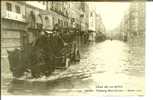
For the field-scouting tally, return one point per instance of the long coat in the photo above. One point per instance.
(58, 44)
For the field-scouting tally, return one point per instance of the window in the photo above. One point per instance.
(17, 9)
(9, 6)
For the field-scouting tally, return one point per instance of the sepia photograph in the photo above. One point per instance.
(73, 48)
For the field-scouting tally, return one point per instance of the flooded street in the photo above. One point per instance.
(109, 63)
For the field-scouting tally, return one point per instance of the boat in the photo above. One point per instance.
(41, 59)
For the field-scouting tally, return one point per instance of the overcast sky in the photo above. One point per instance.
(111, 12)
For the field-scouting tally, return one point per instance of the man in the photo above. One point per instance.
(42, 56)
(58, 42)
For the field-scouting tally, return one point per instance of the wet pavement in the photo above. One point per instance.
(105, 68)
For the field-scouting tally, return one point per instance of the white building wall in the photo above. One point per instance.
(12, 15)
(37, 4)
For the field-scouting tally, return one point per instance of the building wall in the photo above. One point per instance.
(38, 4)
(75, 13)
(13, 25)
(13, 15)
(12, 29)
(19, 29)
(137, 19)
(59, 13)
(92, 18)
(68, 13)
(133, 23)
(55, 12)
(86, 16)
(33, 17)
(99, 25)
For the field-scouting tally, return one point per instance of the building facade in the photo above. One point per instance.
(92, 23)
(13, 30)
(133, 22)
(23, 21)
(100, 29)
(36, 21)
(58, 12)
(13, 23)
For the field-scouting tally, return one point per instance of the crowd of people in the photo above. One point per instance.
(43, 55)
(52, 48)
(55, 47)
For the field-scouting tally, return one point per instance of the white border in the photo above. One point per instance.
(148, 75)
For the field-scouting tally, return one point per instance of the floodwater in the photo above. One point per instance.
(105, 68)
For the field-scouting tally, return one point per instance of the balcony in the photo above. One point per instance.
(13, 16)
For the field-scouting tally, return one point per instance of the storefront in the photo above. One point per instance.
(13, 34)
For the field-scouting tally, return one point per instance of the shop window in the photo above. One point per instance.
(9, 6)
(17, 8)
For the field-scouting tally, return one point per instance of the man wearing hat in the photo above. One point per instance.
(58, 42)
